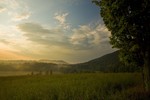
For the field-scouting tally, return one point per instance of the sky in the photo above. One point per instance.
(69, 30)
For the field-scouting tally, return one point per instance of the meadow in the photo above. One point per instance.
(81, 86)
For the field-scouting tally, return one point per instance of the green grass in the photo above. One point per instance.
(93, 86)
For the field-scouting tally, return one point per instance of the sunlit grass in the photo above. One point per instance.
(93, 86)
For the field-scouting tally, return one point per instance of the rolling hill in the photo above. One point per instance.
(107, 63)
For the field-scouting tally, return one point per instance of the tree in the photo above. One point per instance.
(128, 22)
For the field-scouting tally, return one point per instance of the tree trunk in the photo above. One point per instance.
(146, 71)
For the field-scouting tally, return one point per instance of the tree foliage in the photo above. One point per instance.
(128, 21)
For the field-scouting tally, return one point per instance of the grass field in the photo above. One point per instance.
(92, 86)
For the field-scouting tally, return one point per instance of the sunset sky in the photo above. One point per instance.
(69, 30)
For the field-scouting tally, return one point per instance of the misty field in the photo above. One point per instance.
(92, 86)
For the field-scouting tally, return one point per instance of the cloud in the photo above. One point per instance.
(38, 34)
(16, 9)
(61, 18)
(2, 9)
(4, 41)
(13, 4)
(88, 37)
(82, 38)
(21, 16)
(32, 28)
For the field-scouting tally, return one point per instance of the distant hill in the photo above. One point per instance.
(53, 61)
(31, 65)
(33, 61)
(107, 63)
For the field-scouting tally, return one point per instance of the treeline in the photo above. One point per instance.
(107, 63)
(34, 66)
(93, 68)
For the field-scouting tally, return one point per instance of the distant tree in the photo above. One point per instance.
(32, 73)
(128, 21)
(51, 72)
(40, 72)
(47, 72)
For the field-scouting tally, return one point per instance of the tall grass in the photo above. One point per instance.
(93, 86)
